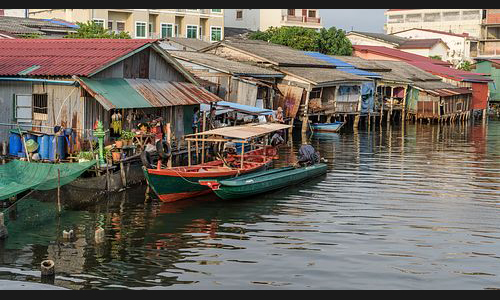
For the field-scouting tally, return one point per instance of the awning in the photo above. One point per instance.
(225, 107)
(142, 93)
(244, 131)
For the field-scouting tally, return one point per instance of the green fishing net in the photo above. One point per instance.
(18, 176)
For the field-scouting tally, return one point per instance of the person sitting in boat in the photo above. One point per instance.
(308, 156)
(277, 139)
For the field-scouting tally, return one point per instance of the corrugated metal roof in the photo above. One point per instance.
(323, 76)
(395, 53)
(421, 44)
(223, 64)
(139, 93)
(62, 57)
(451, 73)
(342, 65)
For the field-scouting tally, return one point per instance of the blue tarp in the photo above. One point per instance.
(367, 100)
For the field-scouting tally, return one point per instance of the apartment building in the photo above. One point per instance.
(203, 24)
(489, 43)
(449, 20)
(262, 19)
(11, 12)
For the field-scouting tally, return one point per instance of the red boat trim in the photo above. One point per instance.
(180, 196)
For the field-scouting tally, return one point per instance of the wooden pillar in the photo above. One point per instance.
(305, 118)
(203, 138)
(189, 153)
(169, 141)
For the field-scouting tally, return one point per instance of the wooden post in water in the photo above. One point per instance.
(189, 153)
(59, 190)
(169, 138)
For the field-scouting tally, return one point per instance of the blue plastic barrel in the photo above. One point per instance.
(15, 144)
(43, 142)
(57, 145)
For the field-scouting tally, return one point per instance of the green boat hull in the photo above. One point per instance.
(266, 181)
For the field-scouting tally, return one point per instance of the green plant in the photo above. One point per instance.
(465, 66)
(435, 57)
(330, 41)
(85, 155)
(127, 135)
(92, 30)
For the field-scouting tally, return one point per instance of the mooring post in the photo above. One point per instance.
(59, 190)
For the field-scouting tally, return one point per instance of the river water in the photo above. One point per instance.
(413, 207)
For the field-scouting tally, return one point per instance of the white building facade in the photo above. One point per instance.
(461, 47)
(262, 19)
(448, 20)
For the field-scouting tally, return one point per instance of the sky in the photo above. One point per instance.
(369, 20)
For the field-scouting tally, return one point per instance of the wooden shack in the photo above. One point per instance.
(75, 82)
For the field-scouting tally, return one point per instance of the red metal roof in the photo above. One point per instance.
(62, 57)
(451, 73)
(398, 54)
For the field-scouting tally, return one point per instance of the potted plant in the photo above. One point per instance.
(127, 137)
(119, 144)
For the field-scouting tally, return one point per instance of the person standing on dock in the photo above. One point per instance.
(196, 120)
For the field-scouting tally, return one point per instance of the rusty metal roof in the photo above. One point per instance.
(139, 93)
(62, 57)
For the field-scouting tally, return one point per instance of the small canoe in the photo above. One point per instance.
(262, 182)
(327, 127)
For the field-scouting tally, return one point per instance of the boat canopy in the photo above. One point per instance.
(242, 132)
(225, 107)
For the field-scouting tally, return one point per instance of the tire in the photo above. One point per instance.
(160, 148)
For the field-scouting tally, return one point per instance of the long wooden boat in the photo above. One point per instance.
(327, 127)
(262, 182)
(172, 184)
(178, 183)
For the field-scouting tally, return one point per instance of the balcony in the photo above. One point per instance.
(301, 21)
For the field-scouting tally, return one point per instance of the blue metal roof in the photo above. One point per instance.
(333, 61)
(341, 65)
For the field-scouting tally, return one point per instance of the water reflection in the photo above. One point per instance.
(410, 206)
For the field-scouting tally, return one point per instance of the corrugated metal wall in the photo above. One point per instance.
(7, 91)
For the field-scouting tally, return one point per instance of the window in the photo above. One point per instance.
(239, 14)
(23, 108)
(311, 14)
(191, 31)
(215, 34)
(176, 30)
(291, 12)
(140, 29)
(120, 26)
(150, 28)
(166, 30)
(470, 15)
(200, 32)
(434, 17)
(216, 10)
(110, 25)
(414, 18)
(40, 106)
(99, 22)
(396, 19)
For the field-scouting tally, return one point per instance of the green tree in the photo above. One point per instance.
(465, 65)
(92, 30)
(332, 41)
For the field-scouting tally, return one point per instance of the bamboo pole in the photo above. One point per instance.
(203, 138)
(59, 190)
(169, 137)
(189, 153)
(242, 154)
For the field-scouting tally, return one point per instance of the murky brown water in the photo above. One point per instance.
(400, 208)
